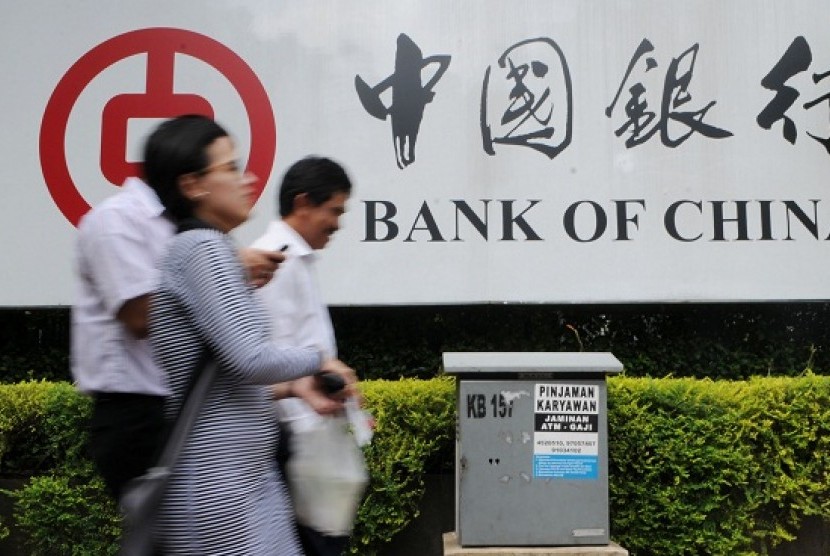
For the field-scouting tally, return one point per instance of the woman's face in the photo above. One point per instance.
(222, 192)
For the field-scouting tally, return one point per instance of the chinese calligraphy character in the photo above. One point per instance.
(636, 109)
(641, 124)
(409, 96)
(825, 141)
(795, 60)
(535, 90)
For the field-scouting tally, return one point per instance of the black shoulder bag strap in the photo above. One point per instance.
(142, 496)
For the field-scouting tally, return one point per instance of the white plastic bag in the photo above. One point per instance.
(327, 475)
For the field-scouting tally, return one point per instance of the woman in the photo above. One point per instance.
(225, 496)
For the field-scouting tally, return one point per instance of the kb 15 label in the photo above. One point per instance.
(479, 406)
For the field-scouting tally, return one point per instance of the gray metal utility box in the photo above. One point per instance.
(532, 448)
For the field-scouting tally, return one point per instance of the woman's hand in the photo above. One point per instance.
(345, 372)
(310, 390)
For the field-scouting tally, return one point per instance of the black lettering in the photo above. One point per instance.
(600, 221)
(718, 220)
(481, 406)
(479, 224)
(519, 220)
(670, 219)
(429, 224)
(476, 406)
(372, 220)
(766, 220)
(623, 218)
(811, 225)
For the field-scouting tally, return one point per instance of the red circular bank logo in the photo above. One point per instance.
(161, 45)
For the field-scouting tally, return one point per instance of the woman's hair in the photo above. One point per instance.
(178, 147)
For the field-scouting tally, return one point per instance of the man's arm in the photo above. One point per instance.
(134, 314)
(260, 264)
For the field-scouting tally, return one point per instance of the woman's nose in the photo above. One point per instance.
(249, 178)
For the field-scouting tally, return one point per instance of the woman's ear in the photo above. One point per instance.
(190, 186)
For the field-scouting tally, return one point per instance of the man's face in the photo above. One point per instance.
(323, 220)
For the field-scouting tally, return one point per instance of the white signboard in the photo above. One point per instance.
(557, 151)
(566, 431)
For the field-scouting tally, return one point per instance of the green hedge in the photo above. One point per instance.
(64, 509)
(696, 467)
(415, 423)
(725, 468)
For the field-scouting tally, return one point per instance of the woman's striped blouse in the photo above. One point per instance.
(225, 495)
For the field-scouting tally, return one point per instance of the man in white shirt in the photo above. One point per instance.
(118, 245)
(312, 198)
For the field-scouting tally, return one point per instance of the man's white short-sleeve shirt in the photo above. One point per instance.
(119, 245)
(296, 312)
